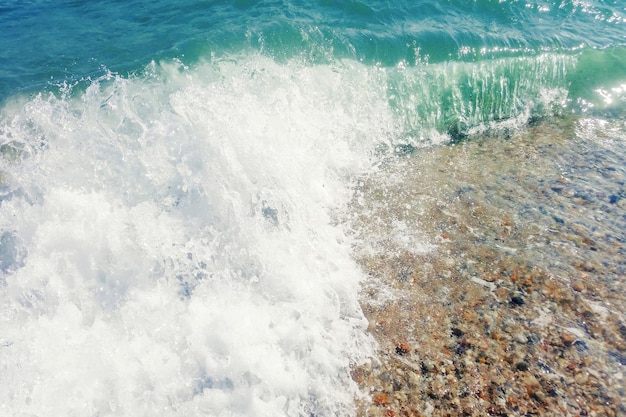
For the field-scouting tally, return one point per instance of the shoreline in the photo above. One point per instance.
(497, 281)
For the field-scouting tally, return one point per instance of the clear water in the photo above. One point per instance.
(173, 177)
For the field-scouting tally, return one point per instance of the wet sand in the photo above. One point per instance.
(498, 275)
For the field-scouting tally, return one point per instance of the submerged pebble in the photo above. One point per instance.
(517, 301)
(515, 286)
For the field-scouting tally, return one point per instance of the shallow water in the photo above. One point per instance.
(499, 287)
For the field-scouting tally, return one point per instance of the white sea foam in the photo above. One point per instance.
(168, 245)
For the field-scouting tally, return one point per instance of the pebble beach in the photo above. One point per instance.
(497, 274)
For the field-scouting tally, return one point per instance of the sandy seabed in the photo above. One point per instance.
(497, 275)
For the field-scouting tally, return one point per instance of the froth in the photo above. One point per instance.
(172, 241)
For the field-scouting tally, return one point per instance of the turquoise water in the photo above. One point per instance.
(45, 43)
(174, 177)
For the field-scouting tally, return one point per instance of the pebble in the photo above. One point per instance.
(456, 332)
(568, 338)
(517, 301)
(586, 266)
(581, 378)
(381, 398)
(531, 382)
(520, 337)
(501, 292)
(580, 345)
(402, 348)
(427, 366)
